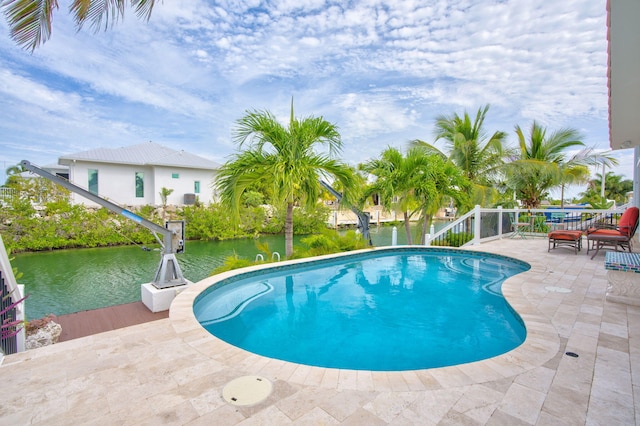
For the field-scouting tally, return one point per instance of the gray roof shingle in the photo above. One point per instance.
(144, 154)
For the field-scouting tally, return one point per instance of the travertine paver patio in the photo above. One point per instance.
(170, 371)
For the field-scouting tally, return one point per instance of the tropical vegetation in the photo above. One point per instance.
(615, 188)
(542, 162)
(323, 242)
(480, 158)
(30, 21)
(415, 183)
(286, 159)
(272, 185)
(59, 225)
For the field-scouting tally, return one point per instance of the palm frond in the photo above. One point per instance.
(108, 11)
(143, 8)
(99, 13)
(29, 20)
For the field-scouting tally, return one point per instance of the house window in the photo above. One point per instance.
(175, 175)
(93, 181)
(139, 184)
(196, 186)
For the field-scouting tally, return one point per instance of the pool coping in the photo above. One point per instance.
(542, 342)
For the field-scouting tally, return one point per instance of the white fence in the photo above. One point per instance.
(480, 225)
(7, 194)
(11, 292)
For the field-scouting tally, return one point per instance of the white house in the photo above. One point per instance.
(135, 175)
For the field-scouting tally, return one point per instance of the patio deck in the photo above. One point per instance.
(86, 323)
(172, 372)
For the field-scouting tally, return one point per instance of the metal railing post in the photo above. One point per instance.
(477, 226)
(12, 292)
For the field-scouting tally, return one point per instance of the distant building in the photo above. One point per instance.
(56, 169)
(135, 175)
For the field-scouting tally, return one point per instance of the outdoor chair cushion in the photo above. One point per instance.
(561, 234)
(571, 238)
(620, 236)
(628, 221)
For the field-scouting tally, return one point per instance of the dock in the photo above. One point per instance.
(87, 323)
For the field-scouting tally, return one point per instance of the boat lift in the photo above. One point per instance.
(363, 217)
(168, 273)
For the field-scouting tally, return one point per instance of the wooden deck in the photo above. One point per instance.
(95, 321)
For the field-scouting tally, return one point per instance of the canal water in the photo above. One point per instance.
(66, 281)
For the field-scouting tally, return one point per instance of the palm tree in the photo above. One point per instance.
(285, 159)
(30, 20)
(615, 188)
(436, 183)
(393, 183)
(480, 158)
(415, 183)
(542, 163)
(575, 169)
(13, 175)
(164, 195)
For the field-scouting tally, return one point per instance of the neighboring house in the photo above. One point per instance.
(56, 169)
(135, 175)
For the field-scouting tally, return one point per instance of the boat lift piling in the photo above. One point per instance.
(363, 217)
(168, 274)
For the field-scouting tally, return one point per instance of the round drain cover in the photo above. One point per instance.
(247, 390)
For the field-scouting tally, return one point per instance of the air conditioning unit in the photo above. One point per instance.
(189, 199)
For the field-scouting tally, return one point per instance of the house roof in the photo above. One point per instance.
(144, 154)
(51, 168)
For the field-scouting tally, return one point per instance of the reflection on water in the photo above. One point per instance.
(376, 311)
(65, 281)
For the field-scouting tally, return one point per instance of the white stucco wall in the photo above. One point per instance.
(183, 184)
(116, 182)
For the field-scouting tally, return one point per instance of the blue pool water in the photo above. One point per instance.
(403, 309)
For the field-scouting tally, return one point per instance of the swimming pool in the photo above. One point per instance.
(383, 310)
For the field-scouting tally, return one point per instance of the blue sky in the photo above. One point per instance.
(380, 72)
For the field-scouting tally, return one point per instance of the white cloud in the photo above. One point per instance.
(381, 71)
(368, 116)
(37, 95)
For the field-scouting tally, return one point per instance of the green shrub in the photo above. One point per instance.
(58, 206)
(326, 242)
(329, 242)
(232, 262)
(304, 221)
(216, 222)
(252, 198)
(62, 225)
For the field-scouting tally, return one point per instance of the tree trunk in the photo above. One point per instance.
(408, 229)
(288, 231)
(425, 223)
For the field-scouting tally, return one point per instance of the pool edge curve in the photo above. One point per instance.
(541, 344)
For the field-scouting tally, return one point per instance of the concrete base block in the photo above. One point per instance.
(158, 300)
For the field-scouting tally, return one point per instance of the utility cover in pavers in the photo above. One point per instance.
(247, 390)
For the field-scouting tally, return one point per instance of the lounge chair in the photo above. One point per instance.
(618, 236)
(561, 237)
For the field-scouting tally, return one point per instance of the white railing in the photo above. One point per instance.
(7, 194)
(11, 292)
(482, 225)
